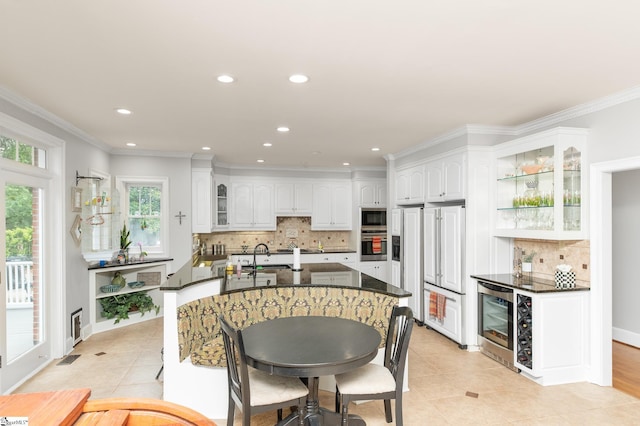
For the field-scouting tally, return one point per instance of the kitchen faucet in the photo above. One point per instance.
(254, 253)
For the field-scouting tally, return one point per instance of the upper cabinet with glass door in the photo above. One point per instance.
(541, 189)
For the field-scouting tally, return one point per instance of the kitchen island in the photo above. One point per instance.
(194, 368)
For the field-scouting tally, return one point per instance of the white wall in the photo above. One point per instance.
(626, 233)
(178, 170)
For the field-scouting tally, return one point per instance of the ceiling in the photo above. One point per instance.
(384, 74)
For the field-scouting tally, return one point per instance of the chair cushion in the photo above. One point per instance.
(366, 380)
(267, 389)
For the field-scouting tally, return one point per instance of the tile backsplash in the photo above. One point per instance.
(296, 230)
(550, 254)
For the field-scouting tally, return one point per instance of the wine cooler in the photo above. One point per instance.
(495, 323)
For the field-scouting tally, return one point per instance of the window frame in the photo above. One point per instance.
(122, 184)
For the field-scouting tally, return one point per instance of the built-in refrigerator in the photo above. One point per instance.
(407, 256)
(444, 275)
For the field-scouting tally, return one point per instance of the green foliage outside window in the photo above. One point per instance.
(145, 202)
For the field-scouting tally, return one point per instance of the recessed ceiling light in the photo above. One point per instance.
(375, 149)
(260, 161)
(298, 78)
(283, 129)
(123, 111)
(131, 144)
(267, 144)
(206, 148)
(346, 164)
(225, 78)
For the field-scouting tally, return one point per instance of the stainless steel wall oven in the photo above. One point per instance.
(373, 234)
(495, 322)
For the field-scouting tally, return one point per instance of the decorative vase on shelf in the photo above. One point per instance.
(118, 280)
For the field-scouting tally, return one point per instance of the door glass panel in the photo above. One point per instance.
(23, 278)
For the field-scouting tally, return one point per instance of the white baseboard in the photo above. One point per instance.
(626, 337)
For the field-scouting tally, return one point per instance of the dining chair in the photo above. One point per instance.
(254, 391)
(374, 381)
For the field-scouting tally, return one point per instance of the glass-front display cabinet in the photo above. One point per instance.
(221, 202)
(541, 186)
(100, 215)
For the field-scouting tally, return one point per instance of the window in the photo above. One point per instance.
(144, 210)
(15, 150)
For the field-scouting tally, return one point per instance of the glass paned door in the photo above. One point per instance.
(23, 337)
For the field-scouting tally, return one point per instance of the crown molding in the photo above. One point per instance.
(580, 110)
(32, 108)
(150, 153)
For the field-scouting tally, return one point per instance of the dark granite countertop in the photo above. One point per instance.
(117, 265)
(533, 285)
(321, 274)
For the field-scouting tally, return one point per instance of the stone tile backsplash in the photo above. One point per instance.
(550, 254)
(289, 230)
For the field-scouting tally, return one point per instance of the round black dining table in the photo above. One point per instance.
(309, 347)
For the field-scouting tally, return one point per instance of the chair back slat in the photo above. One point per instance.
(398, 336)
(238, 374)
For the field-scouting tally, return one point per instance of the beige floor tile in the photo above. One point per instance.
(440, 375)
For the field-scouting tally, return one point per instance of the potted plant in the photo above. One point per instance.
(125, 242)
(119, 306)
(527, 262)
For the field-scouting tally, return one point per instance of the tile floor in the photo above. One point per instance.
(440, 375)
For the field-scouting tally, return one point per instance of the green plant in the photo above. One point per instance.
(125, 242)
(120, 305)
(528, 258)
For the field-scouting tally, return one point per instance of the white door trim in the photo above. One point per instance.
(601, 265)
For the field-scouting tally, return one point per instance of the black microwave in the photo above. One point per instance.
(373, 217)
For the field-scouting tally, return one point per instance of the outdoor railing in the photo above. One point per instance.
(19, 279)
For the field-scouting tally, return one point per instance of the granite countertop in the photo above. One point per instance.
(118, 265)
(533, 285)
(321, 274)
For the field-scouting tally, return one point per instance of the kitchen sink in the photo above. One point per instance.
(301, 251)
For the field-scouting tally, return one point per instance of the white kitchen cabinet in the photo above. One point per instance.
(202, 217)
(331, 278)
(332, 206)
(375, 269)
(372, 193)
(396, 274)
(348, 259)
(444, 236)
(551, 332)
(541, 186)
(293, 199)
(410, 186)
(451, 325)
(446, 178)
(221, 198)
(153, 274)
(252, 206)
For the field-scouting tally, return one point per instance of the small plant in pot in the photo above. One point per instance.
(527, 262)
(119, 306)
(125, 242)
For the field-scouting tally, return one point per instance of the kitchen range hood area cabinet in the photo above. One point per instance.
(252, 206)
(551, 332)
(332, 206)
(446, 179)
(541, 186)
(410, 186)
(293, 199)
(202, 216)
(372, 193)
